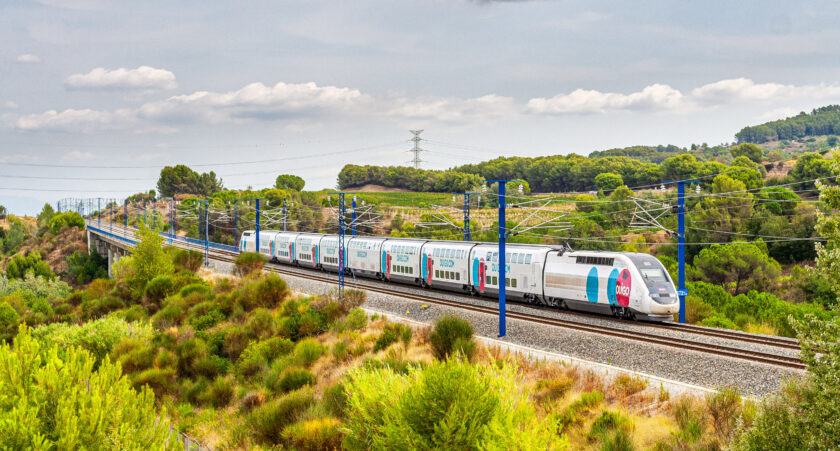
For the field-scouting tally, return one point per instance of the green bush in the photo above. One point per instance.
(210, 366)
(98, 337)
(608, 422)
(308, 351)
(66, 219)
(573, 413)
(719, 321)
(187, 259)
(268, 420)
(334, 399)
(159, 288)
(261, 324)
(725, 409)
(356, 319)
(87, 266)
(205, 315)
(447, 330)
(248, 263)
(21, 264)
(170, 315)
(314, 435)
(219, 393)
(160, 380)
(236, 340)
(259, 354)
(88, 408)
(9, 320)
(391, 333)
(199, 290)
(449, 404)
(289, 379)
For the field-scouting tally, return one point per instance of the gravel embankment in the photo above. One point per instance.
(690, 367)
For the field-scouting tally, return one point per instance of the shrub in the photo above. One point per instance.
(236, 340)
(9, 320)
(251, 401)
(198, 290)
(690, 418)
(248, 263)
(187, 260)
(98, 337)
(340, 351)
(608, 422)
(165, 358)
(261, 325)
(719, 321)
(210, 366)
(66, 219)
(268, 420)
(626, 385)
(160, 380)
(159, 288)
(95, 308)
(171, 315)
(133, 355)
(31, 262)
(220, 392)
(573, 413)
(464, 347)
(446, 332)
(88, 408)
(188, 352)
(356, 319)
(272, 290)
(289, 379)
(427, 408)
(87, 266)
(317, 434)
(149, 260)
(259, 354)
(334, 400)
(308, 351)
(725, 408)
(390, 334)
(205, 315)
(553, 389)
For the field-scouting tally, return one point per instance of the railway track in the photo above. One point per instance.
(681, 343)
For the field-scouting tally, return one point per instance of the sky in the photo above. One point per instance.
(96, 96)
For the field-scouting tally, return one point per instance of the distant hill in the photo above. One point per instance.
(658, 154)
(822, 121)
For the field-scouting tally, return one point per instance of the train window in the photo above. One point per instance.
(488, 280)
(495, 256)
(457, 276)
(521, 258)
(437, 274)
(507, 282)
(528, 259)
(513, 283)
(507, 257)
(495, 280)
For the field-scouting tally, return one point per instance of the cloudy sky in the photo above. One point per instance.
(97, 95)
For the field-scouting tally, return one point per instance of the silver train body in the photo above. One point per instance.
(624, 284)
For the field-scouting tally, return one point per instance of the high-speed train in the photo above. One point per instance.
(625, 284)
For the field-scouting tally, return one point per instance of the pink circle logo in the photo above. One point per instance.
(622, 288)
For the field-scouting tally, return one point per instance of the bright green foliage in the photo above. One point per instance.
(608, 181)
(738, 266)
(148, 259)
(97, 337)
(448, 330)
(66, 219)
(289, 379)
(14, 236)
(86, 267)
(248, 263)
(187, 259)
(828, 226)
(20, 265)
(448, 404)
(406, 177)
(9, 320)
(56, 400)
(573, 414)
(681, 167)
(308, 351)
(34, 287)
(159, 288)
(392, 333)
(748, 150)
(288, 181)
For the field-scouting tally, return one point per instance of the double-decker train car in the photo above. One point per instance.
(624, 284)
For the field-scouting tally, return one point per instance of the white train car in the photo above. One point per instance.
(364, 256)
(284, 247)
(267, 242)
(306, 249)
(446, 264)
(248, 241)
(623, 284)
(401, 260)
(328, 258)
(523, 270)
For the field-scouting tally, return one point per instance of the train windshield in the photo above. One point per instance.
(651, 269)
(653, 274)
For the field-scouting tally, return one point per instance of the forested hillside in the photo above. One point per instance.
(821, 121)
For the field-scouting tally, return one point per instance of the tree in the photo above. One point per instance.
(181, 179)
(608, 181)
(718, 218)
(149, 259)
(809, 167)
(66, 219)
(681, 167)
(20, 264)
(288, 181)
(748, 150)
(828, 226)
(44, 217)
(740, 266)
(54, 399)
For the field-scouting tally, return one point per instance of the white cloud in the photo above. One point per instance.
(256, 101)
(144, 77)
(77, 155)
(454, 109)
(653, 97)
(70, 120)
(28, 58)
(747, 91)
